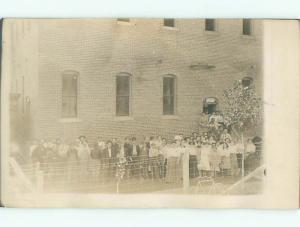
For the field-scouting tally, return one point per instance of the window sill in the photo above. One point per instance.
(70, 120)
(124, 118)
(170, 117)
(124, 23)
(170, 28)
(248, 37)
(212, 33)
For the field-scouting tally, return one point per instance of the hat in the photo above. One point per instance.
(81, 137)
(177, 137)
(212, 141)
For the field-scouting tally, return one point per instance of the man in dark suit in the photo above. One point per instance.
(97, 152)
(110, 154)
(136, 152)
(115, 148)
(109, 159)
(144, 156)
(128, 149)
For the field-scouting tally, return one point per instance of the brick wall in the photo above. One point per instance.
(100, 49)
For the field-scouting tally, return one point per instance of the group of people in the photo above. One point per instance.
(153, 157)
(213, 152)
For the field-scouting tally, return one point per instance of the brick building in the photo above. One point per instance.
(119, 77)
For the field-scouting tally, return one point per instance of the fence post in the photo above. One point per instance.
(39, 176)
(243, 156)
(186, 172)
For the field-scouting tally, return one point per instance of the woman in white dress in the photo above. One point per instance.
(84, 155)
(251, 159)
(180, 150)
(204, 165)
(172, 159)
(214, 159)
(233, 157)
(225, 165)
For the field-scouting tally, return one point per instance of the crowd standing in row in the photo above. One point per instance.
(154, 157)
(212, 153)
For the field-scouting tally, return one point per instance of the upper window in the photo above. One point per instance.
(69, 94)
(169, 22)
(210, 25)
(169, 95)
(247, 27)
(247, 81)
(123, 86)
(210, 105)
(123, 19)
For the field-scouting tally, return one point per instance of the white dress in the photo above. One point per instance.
(84, 151)
(204, 158)
(83, 156)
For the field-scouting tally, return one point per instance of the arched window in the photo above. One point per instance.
(210, 105)
(247, 81)
(169, 94)
(123, 92)
(69, 94)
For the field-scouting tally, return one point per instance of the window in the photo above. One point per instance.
(123, 95)
(247, 81)
(123, 20)
(210, 25)
(168, 22)
(247, 27)
(69, 94)
(169, 95)
(210, 105)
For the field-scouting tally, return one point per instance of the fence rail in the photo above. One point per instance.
(140, 174)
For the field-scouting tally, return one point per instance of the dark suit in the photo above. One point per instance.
(138, 150)
(97, 152)
(136, 160)
(111, 160)
(128, 149)
(115, 149)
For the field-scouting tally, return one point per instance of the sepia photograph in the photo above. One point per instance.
(134, 106)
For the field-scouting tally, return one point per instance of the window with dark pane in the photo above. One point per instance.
(69, 95)
(123, 19)
(168, 95)
(247, 27)
(210, 105)
(123, 95)
(210, 24)
(169, 22)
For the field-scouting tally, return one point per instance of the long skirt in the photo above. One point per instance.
(154, 167)
(172, 166)
(144, 164)
(225, 162)
(95, 169)
(204, 163)
(193, 170)
(73, 171)
(180, 168)
(234, 164)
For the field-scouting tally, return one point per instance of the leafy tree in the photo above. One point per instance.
(242, 111)
(242, 107)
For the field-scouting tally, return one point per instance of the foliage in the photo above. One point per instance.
(243, 108)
